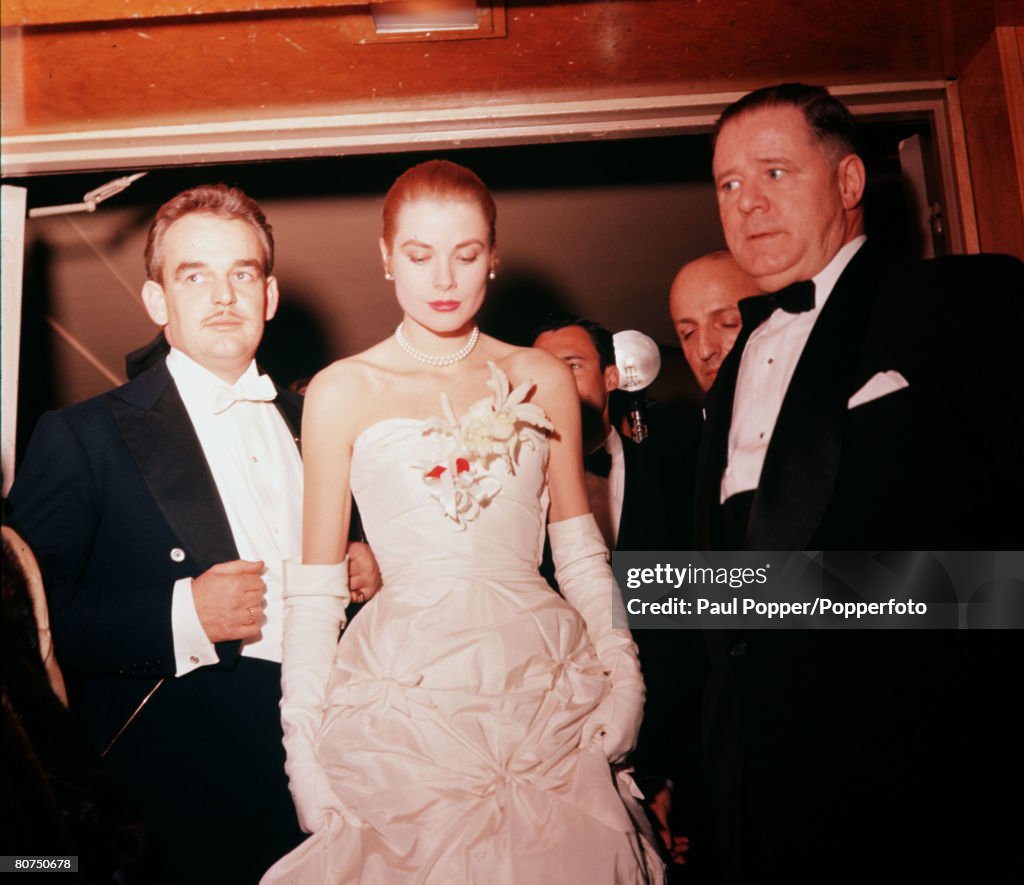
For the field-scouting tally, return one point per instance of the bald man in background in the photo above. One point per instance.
(703, 302)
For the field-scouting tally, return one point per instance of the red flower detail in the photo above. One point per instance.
(461, 465)
(436, 472)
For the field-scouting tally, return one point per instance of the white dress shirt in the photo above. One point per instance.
(766, 368)
(606, 493)
(258, 473)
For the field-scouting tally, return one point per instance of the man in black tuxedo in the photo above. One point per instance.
(161, 513)
(639, 493)
(855, 412)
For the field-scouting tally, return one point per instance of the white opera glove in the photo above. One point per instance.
(315, 598)
(586, 581)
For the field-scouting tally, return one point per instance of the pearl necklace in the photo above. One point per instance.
(449, 360)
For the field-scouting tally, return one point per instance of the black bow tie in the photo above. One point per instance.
(795, 298)
(598, 462)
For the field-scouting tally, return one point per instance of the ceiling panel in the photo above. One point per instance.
(314, 57)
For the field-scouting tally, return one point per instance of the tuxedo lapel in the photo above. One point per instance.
(290, 406)
(158, 432)
(641, 522)
(802, 460)
(629, 497)
(714, 442)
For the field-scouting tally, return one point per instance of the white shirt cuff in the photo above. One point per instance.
(192, 647)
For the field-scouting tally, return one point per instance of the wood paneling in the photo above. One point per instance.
(62, 12)
(991, 93)
(74, 68)
(963, 191)
(266, 64)
(1011, 56)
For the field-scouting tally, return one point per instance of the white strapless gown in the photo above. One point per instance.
(455, 708)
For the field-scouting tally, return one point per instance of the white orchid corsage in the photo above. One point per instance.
(495, 428)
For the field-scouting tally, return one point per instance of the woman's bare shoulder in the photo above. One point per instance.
(553, 387)
(521, 363)
(360, 375)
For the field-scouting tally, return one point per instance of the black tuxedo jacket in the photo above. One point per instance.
(652, 517)
(932, 466)
(117, 500)
(835, 755)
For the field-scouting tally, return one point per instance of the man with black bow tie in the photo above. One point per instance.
(161, 513)
(588, 350)
(623, 478)
(856, 412)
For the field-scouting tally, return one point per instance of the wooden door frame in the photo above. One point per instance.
(514, 121)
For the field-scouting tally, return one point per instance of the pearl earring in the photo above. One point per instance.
(492, 275)
(388, 275)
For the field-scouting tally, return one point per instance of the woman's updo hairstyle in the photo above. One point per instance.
(437, 180)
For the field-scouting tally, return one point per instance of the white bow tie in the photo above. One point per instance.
(260, 390)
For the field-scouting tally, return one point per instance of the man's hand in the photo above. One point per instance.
(363, 573)
(660, 805)
(229, 599)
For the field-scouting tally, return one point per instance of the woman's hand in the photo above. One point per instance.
(587, 583)
(315, 598)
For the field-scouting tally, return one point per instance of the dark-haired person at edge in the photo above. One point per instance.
(56, 797)
(857, 411)
(160, 513)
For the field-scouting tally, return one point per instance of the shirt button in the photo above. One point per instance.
(193, 659)
(178, 555)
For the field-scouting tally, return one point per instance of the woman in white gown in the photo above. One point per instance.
(461, 730)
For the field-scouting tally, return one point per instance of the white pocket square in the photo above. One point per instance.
(880, 385)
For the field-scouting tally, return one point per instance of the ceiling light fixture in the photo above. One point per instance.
(418, 16)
